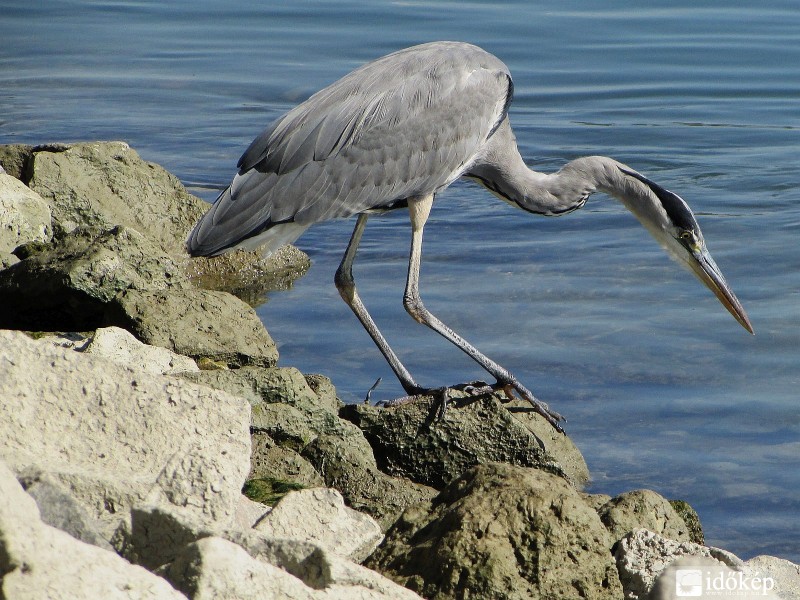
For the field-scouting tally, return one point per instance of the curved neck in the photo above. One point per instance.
(503, 171)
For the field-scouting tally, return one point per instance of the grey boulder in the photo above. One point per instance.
(412, 440)
(501, 531)
(106, 184)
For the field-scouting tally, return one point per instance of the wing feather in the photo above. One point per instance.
(404, 125)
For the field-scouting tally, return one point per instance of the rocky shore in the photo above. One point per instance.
(150, 446)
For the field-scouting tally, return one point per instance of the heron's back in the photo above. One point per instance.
(402, 126)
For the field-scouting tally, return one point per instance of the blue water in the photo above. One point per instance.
(661, 386)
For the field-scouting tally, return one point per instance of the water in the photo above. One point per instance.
(662, 388)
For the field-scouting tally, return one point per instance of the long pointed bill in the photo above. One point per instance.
(708, 272)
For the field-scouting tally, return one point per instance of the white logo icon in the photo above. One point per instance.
(688, 583)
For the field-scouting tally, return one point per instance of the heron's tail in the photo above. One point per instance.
(221, 230)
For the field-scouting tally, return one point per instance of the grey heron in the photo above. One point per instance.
(393, 134)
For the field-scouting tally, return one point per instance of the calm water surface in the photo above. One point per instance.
(661, 386)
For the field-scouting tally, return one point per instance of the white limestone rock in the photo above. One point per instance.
(319, 515)
(116, 437)
(704, 577)
(39, 561)
(642, 556)
(24, 215)
(786, 574)
(122, 347)
(214, 568)
(248, 513)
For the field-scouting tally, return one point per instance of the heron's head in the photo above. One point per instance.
(670, 220)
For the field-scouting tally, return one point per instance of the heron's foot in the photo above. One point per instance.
(442, 394)
(508, 389)
(540, 407)
(476, 388)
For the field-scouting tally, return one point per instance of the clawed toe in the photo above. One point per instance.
(509, 387)
(477, 388)
(540, 407)
(442, 394)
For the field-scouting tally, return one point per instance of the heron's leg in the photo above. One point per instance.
(346, 285)
(419, 209)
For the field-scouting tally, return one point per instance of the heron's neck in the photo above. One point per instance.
(504, 172)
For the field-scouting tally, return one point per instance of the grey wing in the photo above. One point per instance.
(401, 126)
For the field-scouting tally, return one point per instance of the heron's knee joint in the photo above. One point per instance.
(346, 285)
(414, 307)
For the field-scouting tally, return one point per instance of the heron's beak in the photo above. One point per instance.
(708, 272)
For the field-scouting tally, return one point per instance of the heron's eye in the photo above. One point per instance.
(690, 240)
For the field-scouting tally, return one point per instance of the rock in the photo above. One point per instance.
(215, 568)
(196, 323)
(411, 441)
(278, 463)
(347, 464)
(168, 536)
(784, 573)
(642, 509)
(501, 531)
(67, 285)
(93, 278)
(73, 340)
(694, 576)
(298, 438)
(558, 445)
(642, 556)
(288, 433)
(285, 385)
(105, 496)
(7, 260)
(122, 347)
(38, 561)
(160, 531)
(107, 184)
(115, 437)
(285, 424)
(317, 567)
(24, 216)
(59, 509)
(320, 516)
(249, 275)
(248, 513)
(323, 387)
(15, 159)
(206, 324)
(691, 518)
(287, 412)
(205, 484)
(709, 578)
(595, 500)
